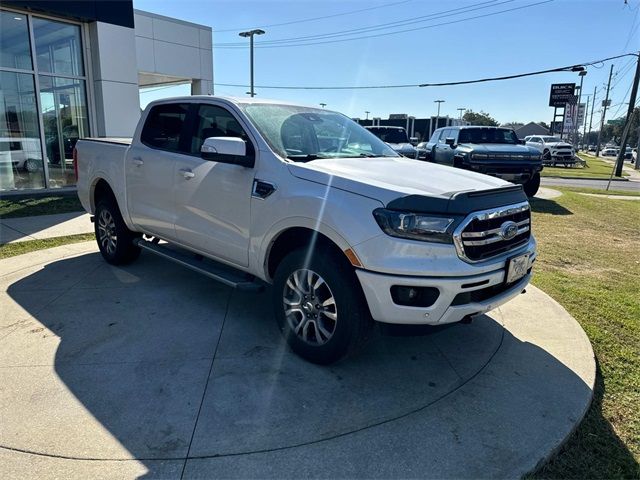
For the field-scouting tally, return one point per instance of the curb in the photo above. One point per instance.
(587, 178)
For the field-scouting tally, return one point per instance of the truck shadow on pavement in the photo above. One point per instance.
(155, 363)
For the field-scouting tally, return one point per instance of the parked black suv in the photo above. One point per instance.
(492, 150)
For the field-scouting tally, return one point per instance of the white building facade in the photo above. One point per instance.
(70, 70)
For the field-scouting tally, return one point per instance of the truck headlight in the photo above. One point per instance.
(415, 226)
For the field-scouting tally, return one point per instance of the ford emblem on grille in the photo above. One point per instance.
(508, 230)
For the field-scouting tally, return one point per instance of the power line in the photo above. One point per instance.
(382, 26)
(313, 19)
(398, 31)
(414, 85)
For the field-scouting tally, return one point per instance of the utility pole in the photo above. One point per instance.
(627, 126)
(251, 34)
(367, 112)
(593, 106)
(584, 125)
(461, 110)
(322, 104)
(604, 112)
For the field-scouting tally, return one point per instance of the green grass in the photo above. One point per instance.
(589, 261)
(18, 248)
(19, 206)
(595, 168)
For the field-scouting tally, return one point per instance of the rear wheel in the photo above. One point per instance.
(319, 305)
(115, 240)
(532, 186)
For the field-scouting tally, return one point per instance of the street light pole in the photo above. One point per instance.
(461, 110)
(438, 115)
(367, 112)
(575, 139)
(251, 34)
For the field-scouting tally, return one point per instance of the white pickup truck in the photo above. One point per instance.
(252, 192)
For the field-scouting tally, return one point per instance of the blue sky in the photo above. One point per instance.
(548, 35)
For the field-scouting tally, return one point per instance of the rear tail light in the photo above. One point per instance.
(75, 162)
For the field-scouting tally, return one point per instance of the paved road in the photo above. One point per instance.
(632, 186)
(152, 371)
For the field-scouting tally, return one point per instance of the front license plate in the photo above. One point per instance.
(517, 268)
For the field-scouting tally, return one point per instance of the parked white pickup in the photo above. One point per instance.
(305, 199)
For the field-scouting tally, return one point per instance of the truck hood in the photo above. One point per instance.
(402, 147)
(387, 178)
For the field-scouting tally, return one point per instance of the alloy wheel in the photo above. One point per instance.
(107, 232)
(310, 307)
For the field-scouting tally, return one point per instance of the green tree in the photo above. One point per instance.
(480, 118)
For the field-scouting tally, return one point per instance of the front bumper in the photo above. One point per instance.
(509, 172)
(489, 288)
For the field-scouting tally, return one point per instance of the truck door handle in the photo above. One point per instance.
(187, 173)
(137, 161)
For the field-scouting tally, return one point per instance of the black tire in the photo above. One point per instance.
(532, 186)
(32, 165)
(115, 240)
(352, 323)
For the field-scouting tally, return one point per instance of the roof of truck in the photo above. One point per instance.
(235, 100)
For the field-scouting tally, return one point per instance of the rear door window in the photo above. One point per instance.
(164, 127)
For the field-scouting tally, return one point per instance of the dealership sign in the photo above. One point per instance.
(561, 93)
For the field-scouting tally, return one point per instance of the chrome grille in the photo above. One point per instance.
(480, 236)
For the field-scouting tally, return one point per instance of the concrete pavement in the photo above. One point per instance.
(44, 226)
(153, 371)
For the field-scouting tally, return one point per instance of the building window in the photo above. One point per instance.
(20, 148)
(43, 85)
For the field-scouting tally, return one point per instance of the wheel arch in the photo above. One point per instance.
(100, 189)
(295, 237)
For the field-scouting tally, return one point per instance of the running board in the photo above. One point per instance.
(217, 271)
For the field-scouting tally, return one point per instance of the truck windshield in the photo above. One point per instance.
(304, 134)
(487, 135)
(390, 135)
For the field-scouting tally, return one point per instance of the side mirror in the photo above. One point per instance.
(522, 142)
(450, 141)
(231, 150)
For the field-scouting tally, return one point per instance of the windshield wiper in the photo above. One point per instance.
(306, 157)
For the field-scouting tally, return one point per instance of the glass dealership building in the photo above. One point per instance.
(73, 69)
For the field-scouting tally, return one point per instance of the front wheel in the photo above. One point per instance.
(319, 305)
(115, 240)
(532, 186)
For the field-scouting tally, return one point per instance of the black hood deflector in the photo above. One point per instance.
(460, 203)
